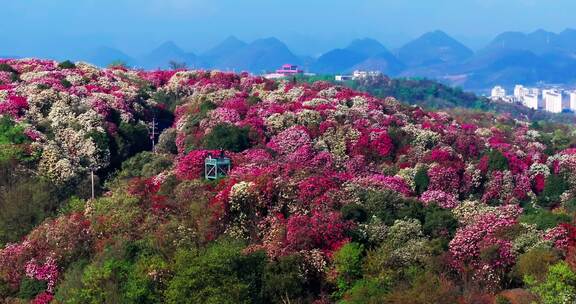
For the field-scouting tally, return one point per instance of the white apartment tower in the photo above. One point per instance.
(555, 101)
(573, 101)
(520, 91)
(498, 92)
(533, 101)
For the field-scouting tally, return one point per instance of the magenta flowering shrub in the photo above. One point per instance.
(444, 179)
(191, 165)
(374, 143)
(441, 198)
(43, 298)
(319, 230)
(559, 236)
(47, 272)
(480, 247)
(290, 140)
(14, 106)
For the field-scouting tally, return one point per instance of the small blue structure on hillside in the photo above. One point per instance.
(217, 167)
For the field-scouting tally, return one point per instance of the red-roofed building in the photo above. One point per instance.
(289, 70)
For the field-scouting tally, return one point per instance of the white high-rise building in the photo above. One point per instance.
(533, 101)
(498, 92)
(520, 91)
(555, 101)
(573, 101)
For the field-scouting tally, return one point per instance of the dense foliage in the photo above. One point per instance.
(334, 195)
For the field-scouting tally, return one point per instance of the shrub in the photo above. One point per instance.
(66, 65)
(167, 142)
(10, 132)
(555, 186)
(500, 299)
(65, 83)
(101, 283)
(326, 231)
(219, 274)
(421, 180)
(253, 100)
(70, 283)
(170, 101)
(130, 140)
(227, 137)
(24, 203)
(30, 288)
(367, 291)
(348, 266)
(4, 67)
(544, 219)
(535, 263)
(388, 205)
(426, 288)
(559, 286)
(354, 212)
(497, 161)
(283, 282)
(145, 164)
(439, 222)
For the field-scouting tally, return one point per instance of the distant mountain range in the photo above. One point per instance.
(512, 57)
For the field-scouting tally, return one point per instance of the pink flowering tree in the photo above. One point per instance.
(440, 198)
(479, 248)
(290, 140)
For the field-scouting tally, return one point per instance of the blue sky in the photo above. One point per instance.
(46, 27)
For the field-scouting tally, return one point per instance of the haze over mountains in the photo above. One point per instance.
(511, 57)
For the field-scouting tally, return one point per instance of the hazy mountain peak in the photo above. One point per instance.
(367, 47)
(269, 41)
(433, 48)
(168, 51)
(105, 55)
(262, 54)
(168, 46)
(227, 47)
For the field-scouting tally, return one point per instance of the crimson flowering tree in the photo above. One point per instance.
(323, 230)
(191, 165)
(315, 186)
(14, 106)
(374, 143)
(43, 298)
(444, 179)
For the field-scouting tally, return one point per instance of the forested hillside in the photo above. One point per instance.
(334, 196)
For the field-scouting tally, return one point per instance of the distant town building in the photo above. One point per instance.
(533, 101)
(343, 77)
(555, 101)
(573, 101)
(286, 70)
(289, 70)
(497, 93)
(520, 91)
(552, 99)
(359, 74)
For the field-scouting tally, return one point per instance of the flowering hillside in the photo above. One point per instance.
(333, 196)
